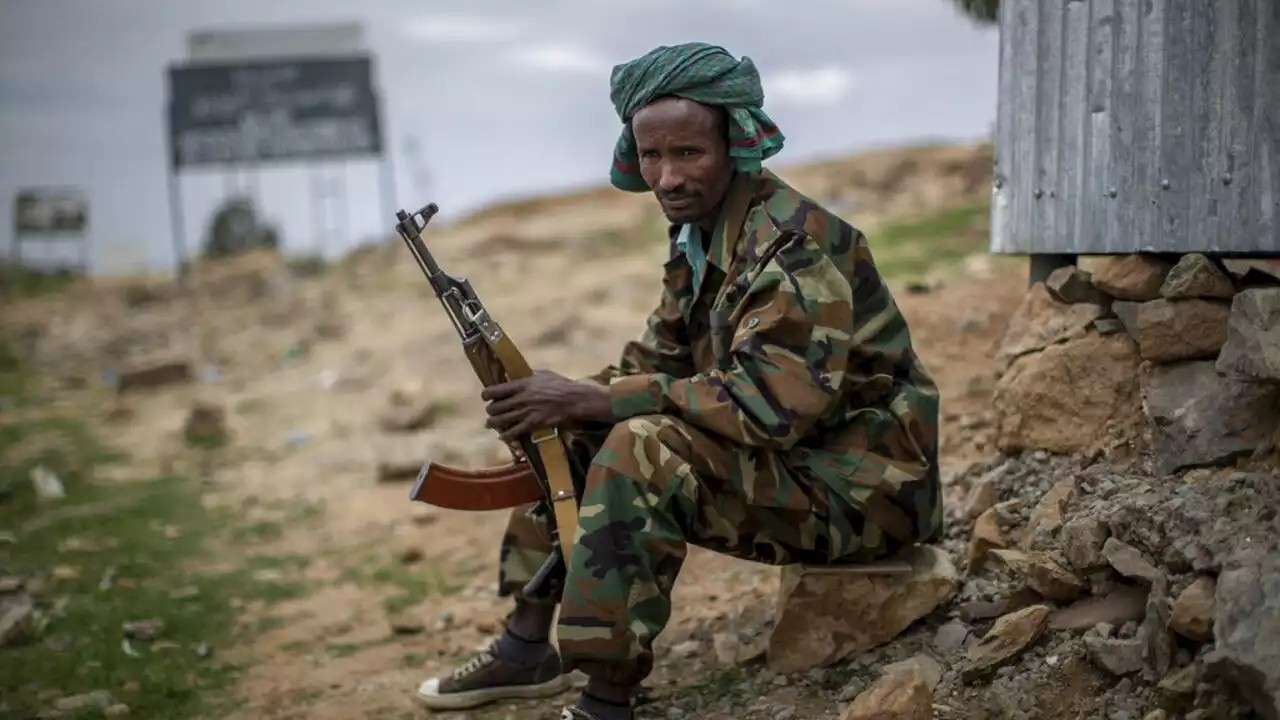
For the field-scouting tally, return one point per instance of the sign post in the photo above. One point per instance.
(52, 215)
(268, 96)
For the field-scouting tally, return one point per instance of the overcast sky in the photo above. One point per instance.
(502, 98)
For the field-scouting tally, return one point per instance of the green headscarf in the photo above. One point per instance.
(703, 73)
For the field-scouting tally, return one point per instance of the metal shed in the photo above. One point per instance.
(1131, 126)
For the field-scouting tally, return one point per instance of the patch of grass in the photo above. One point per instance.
(21, 281)
(722, 684)
(261, 531)
(80, 648)
(908, 249)
(348, 649)
(410, 584)
(105, 555)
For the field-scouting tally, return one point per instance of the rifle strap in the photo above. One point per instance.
(550, 449)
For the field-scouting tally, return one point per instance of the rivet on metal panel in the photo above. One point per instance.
(1226, 178)
(1164, 184)
(1038, 193)
(1111, 192)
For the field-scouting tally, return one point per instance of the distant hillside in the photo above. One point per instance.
(867, 189)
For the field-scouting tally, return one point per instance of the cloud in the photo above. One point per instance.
(562, 58)
(817, 86)
(461, 29)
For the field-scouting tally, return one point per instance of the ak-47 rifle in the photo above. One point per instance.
(541, 471)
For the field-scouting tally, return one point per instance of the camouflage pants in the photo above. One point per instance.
(656, 483)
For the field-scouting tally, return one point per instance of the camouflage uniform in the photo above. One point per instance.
(777, 413)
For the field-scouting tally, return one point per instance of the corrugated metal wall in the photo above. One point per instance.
(1138, 125)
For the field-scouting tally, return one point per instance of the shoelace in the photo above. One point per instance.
(479, 661)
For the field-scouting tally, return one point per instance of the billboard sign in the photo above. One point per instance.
(50, 211)
(262, 111)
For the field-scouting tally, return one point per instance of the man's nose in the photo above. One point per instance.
(670, 179)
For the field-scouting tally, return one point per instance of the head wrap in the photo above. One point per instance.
(703, 73)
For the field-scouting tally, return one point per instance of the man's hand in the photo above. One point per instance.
(544, 400)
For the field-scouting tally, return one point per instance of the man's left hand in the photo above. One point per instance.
(543, 400)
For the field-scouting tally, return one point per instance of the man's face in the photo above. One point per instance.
(684, 157)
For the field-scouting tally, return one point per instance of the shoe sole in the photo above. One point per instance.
(476, 698)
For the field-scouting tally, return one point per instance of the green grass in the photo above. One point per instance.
(20, 281)
(115, 532)
(408, 585)
(908, 249)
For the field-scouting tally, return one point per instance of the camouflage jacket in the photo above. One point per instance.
(793, 344)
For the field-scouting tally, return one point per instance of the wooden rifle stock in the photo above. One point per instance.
(495, 488)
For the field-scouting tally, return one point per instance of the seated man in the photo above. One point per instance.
(773, 410)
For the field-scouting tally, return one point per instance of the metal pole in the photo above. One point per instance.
(176, 218)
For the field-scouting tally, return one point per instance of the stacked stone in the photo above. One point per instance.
(1184, 354)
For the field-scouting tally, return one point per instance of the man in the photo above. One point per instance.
(773, 410)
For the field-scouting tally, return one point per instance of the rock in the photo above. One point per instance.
(400, 467)
(1170, 330)
(98, 699)
(1195, 276)
(406, 624)
(1042, 574)
(1122, 605)
(206, 424)
(901, 695)
(826, 617)
(116, 710)
(1193, 611)
(1082, 539)
(413, 417)
(1246, 629)
(410, 554)
(1252, 347)
(1042, 321)
(986, 535)
(154, 373)
(1115, 655)
(11, 584)
(1132, 277)
(686, 649)
(979, 610)
(1202, 418)
(982, 496)
(1126, 311)
(1007, 638)
(1129, 561)
(143, 629)
(19, 623)
(950, 637)
(1071, 285)
(1157, 641)
(923, 664)
(1108, 326)
(1067, 398)
(1048, 515)
(1181, 682)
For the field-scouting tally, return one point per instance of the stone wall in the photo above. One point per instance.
(1177, 359)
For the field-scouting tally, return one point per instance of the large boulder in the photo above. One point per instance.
(1248, 633)
(1069, 398)
(1252, 345)
(1200, 417)
(824, 617)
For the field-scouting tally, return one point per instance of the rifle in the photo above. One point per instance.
(540, 471)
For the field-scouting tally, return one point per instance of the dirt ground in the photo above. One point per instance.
(332, 654)
(305, 372)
